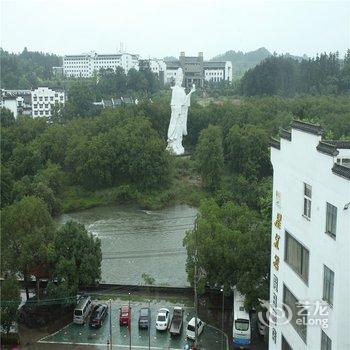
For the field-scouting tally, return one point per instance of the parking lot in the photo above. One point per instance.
(83, 335)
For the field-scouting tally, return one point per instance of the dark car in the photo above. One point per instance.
(144, 317)
(98, 315)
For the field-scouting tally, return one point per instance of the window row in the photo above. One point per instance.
(297, 258)
(331, 211)
(326, 342)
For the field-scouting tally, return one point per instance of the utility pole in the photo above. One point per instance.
(149, 324)
(222, 317)
(129, 324)
(110, 323)
(195, 287)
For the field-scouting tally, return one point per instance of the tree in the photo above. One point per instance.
(233, 249)
(209, 156)
(27, 229)
(246, 150)
(6, 117)
(10, 300)
(77, 258)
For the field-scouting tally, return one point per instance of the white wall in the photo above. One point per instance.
(297, 162)
(11, 105)
(43, 99)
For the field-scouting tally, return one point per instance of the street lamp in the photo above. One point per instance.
(222, 317)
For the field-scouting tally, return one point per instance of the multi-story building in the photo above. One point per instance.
(196, 70)
(44, 98)
(155, 65)
(310, 250)
(86, 65)
(17, 101)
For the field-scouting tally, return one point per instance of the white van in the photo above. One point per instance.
(191, 332)
(241, 322)
(82, 310)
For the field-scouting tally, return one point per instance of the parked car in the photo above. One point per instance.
(191, 332)
(124, 315)
(98, 315)
(176, 321)
(163, 319)
(263, 322)
(82, 310)
(144, 317)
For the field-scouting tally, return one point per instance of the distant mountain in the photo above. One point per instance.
(241, 61)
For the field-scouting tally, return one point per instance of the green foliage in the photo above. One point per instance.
(6, 117)
(27, 229)
(287, 76)
(76, 256)
(209, 156)
(10, 291)
(247, 151)
(233, 249)
(148, 279)
(27, 69)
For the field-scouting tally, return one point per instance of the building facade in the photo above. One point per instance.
(197, 71)
(17, 101)
(310, 246)
(43, 99)
(155, 65)
(86, 65)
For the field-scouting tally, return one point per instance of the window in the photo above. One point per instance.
(328, 285)
(331, 219)
(51, 98)
(298, 317)
(307, 200)
(285, 345)
(297, 257)
(326, 342)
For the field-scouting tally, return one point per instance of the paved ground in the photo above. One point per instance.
(77, 335)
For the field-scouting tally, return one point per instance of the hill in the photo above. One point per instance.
(241, 61)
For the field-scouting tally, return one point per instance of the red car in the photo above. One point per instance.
(124, 315)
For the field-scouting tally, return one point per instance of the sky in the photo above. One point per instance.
(158, 28)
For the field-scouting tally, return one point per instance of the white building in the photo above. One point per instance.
(43, 99)
(86, 65)
(17, 101)
(310, 250)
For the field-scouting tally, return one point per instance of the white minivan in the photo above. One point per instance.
(82, 310)
(191, 332)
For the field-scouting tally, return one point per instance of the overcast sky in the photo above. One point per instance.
(159, 28)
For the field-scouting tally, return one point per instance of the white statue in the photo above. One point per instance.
(178, 120)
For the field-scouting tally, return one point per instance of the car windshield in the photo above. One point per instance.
(124, 314)
(78, 312)
(242, 325)
(161, 318)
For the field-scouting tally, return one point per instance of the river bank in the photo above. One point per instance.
(185, 188)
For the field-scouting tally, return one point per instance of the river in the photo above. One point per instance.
(136, 242)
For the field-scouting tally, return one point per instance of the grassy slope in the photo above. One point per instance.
(185, 188)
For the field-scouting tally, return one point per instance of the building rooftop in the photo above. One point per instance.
(327, 147)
